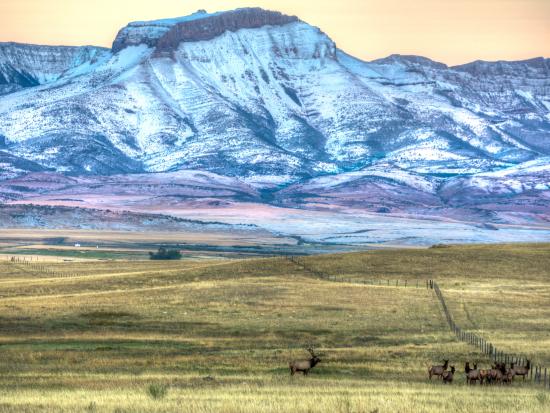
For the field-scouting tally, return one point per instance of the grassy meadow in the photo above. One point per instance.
(217, 335)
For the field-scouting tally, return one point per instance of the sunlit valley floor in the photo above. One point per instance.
(217, 334)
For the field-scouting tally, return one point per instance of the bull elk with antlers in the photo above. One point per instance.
(304, 366)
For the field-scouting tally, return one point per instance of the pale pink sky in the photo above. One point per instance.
(451, 31)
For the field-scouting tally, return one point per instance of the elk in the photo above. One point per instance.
(447, 376)
(472, 375)
(483, 376)
(508, 376)
(496, 374)
(438, 370)
(522, 370)
(304, 366)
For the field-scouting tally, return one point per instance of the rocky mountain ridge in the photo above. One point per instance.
(271, 102)
(167, 35)
(23, 65)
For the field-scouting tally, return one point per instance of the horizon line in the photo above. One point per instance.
(362, 55)
(15, 42)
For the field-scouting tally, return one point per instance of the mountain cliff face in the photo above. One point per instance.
(166, 35)
(24, 65)
(266, 98)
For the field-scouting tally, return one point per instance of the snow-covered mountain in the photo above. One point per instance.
(271, 101)
(23, 65)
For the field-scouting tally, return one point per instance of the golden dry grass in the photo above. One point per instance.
(220, 333)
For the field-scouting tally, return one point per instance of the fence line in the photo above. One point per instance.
(39, 267)
(380, 282)
(539, 374)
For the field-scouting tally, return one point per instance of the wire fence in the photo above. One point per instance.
(538, 374)
(338, 278)
(40, 268)
(35, 266)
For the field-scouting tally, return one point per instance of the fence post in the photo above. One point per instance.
(485, 346)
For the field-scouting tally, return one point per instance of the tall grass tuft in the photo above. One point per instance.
(157, 391)
(92, 407)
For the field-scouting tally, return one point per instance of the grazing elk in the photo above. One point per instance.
(438, 370)
(483, 376)
(508, 376)
(472, 375)
(304, 366)
(447, 376)
(523, 370)
(496, 374)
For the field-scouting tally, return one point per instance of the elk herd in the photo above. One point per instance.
(499, 373)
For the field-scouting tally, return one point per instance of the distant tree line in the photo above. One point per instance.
(165, 254)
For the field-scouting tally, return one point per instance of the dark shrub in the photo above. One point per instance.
(165, 254)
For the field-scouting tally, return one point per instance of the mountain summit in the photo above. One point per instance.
(201, 26)
(266, 98)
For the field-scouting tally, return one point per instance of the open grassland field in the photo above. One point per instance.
(217, 335)
(60, 245)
